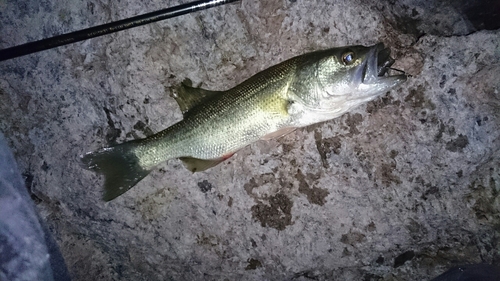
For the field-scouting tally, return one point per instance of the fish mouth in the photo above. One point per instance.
(377, 67)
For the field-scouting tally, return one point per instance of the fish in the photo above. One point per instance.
(298, 92)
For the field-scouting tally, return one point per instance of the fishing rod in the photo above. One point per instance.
(84, 34)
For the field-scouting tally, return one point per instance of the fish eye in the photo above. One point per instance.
(348, 57)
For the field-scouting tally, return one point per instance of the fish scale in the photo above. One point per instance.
(262, 104)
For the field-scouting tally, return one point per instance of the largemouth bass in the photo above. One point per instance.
(298, 92)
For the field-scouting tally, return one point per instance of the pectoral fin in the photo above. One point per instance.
(279, 133)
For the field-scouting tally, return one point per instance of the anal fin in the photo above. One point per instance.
(198, 165)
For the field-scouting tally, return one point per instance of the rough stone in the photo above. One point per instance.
(400, 189)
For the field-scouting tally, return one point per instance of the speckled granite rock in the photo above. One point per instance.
(400, 189)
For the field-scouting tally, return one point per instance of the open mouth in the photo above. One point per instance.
(384, 61)
(378, 65)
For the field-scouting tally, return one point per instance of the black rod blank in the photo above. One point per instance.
(68, 38)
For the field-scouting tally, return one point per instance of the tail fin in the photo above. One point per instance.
(120, 168)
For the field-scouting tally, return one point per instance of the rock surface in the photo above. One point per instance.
(400, 189)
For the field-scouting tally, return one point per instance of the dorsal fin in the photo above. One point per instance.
(188, 97)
